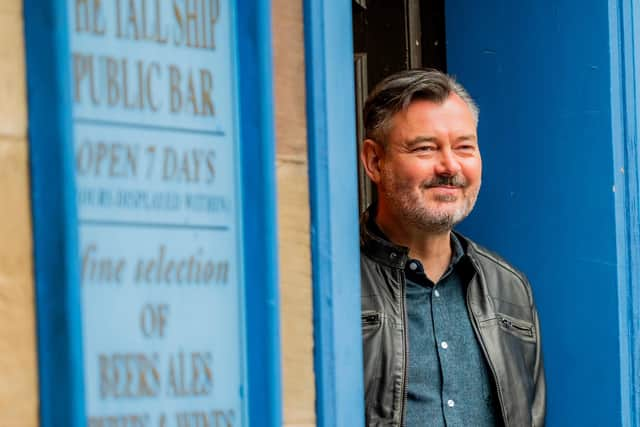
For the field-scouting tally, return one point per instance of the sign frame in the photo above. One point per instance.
(55, 222)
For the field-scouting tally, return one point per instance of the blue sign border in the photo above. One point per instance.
(262, 310)
(55, 223)
(54, 215)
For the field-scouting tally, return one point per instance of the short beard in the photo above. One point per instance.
(413, 210)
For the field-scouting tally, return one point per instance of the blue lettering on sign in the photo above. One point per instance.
(157, 172)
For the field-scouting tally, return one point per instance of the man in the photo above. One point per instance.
(451, 333)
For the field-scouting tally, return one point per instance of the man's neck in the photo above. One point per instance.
(432, 249)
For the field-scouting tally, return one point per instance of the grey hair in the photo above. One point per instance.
(396, 92)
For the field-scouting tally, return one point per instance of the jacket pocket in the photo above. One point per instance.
(518, 327)
(370, 319)
(378, 373)
(511, 343)
(372, 342)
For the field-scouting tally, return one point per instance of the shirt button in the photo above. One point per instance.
(436, 293)
(444, 345)
(413, 266)
(451, 403)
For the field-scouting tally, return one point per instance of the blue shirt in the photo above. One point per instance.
(449, 381)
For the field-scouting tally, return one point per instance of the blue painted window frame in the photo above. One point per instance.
(60, 361)
(334, 208)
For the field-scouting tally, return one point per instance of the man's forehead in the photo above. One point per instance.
(452, 114)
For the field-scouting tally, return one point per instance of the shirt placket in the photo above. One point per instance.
(445, 348)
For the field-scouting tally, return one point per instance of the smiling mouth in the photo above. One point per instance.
(445, 193)
(446, 186)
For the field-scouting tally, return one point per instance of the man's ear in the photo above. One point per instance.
(371, 157)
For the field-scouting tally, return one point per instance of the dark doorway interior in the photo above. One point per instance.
(390, 36)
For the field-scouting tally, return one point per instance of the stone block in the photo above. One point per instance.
(18, 354)
(11, 7)
(296, 294)
(13, 103)
(288, 46)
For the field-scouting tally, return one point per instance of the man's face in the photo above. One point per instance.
(430, 169)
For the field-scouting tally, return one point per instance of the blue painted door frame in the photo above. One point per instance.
(557, 88)
(55, 221)
(334, 207)
(624, 26)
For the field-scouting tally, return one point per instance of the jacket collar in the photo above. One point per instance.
(374, 246)
(387, 253)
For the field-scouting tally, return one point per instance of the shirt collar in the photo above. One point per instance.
(457, 250)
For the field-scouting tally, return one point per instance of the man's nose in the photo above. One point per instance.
(448, 163)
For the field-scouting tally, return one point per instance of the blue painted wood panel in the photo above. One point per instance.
(541, 73)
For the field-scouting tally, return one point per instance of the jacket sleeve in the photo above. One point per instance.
(539, 404)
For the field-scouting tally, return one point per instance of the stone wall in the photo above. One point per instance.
(293, 215)
(18, 357)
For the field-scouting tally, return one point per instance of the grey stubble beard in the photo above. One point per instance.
(412, 208)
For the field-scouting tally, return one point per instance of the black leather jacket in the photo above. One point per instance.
(503, 315)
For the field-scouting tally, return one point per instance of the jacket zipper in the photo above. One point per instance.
(406, 348)
(509, 324)
(486, 355)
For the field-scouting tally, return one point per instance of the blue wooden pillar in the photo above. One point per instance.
(557, 91)
(334, 222)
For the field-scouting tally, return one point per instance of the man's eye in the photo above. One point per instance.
(425, 148)
(466, 147)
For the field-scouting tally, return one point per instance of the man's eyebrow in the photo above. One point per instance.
(419, 139)
(469, 137)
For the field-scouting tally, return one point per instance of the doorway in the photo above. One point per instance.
(391, 36)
